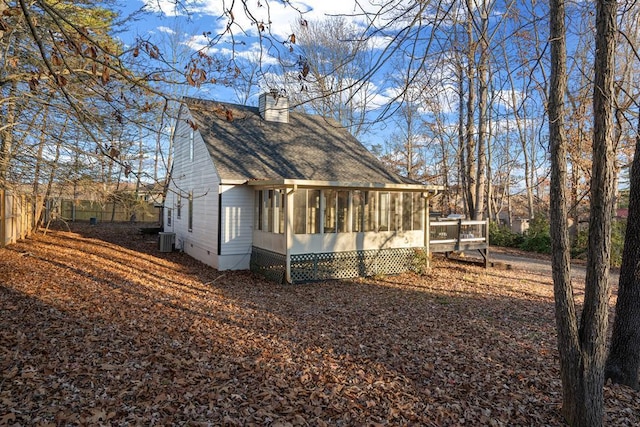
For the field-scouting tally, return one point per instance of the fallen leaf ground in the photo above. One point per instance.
(99, 328)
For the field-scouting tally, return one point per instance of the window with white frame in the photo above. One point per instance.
(306, 211)
(190, 213)
(269, 210)
(407, 209)
(300, 211)
(330, 211)
(357, 215)
(418, 212)
(383, 212)
(342, 205)
(370, 211)
(395, 212)
(343, 211)
(258, 210)
(279, 202)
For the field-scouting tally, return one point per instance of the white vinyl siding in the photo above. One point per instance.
(237, 220)
(194, 187)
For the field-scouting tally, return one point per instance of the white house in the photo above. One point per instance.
(292, 196)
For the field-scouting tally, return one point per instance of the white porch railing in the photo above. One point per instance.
(459, 235)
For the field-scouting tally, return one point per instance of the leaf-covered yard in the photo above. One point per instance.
(98, 328)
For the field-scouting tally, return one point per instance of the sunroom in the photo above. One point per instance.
(315, 230)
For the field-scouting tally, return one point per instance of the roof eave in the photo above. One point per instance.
(233, 181)
(292, 183)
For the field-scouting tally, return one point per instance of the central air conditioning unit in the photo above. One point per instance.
(166, 241)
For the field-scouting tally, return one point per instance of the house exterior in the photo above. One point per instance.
(289, 195)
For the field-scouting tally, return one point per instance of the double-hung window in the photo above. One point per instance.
(190, 213)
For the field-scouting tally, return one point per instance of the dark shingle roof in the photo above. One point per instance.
(243, 146)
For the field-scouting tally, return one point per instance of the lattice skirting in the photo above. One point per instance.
(332, 265)
(343, 265)
(271, 265)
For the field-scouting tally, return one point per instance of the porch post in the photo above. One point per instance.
(427, 235)
(288, 232)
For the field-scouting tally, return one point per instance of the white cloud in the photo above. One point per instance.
(276, 15)
(166, 30)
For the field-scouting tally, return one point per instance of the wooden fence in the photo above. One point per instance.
(16, 217)
(94, 211)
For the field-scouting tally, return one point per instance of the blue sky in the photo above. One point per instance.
(279, 17)
(163, 19)
(212, 17)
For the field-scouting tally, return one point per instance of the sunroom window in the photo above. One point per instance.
(395, 212)
(330, 211)
(418, 211)
(270, 211)
(267, 216)
(300, 212)
(342, 216)
(370, 211)
(343, 211)
(306, 211)
(279, 200)
(357, 219)
(383, 212)
(407, 211)
(259, 212)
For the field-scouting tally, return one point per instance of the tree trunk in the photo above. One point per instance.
(623, 362)
(6, 135)
(483, 114)
(462, 162)
(38, 204)
(582, 351)
(470, 170)
(566, 320)
(594, 322)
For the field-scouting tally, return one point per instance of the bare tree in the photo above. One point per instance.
(582, 345)
(332, 57)
(623, 362)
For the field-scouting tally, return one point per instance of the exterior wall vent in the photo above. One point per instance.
(274, 107)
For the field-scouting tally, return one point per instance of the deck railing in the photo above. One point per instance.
(458, 235)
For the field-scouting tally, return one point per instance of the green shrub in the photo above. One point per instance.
(538, 238)
(579, 245)
(617, 242)
(421, 262)
(540, 243)
(500, 235)
(618, 228)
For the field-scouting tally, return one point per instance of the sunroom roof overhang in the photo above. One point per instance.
(295, 183)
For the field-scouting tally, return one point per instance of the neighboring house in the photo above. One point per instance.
(290, 195)
(622, 213)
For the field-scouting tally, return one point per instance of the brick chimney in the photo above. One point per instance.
(274, 107)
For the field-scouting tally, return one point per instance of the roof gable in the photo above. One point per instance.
(243, 146)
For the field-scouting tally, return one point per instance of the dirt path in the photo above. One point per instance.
(541, 264)
(537, 264)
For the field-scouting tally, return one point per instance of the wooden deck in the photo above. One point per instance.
(448, 236)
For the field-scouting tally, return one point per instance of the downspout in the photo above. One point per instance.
(2, 217)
